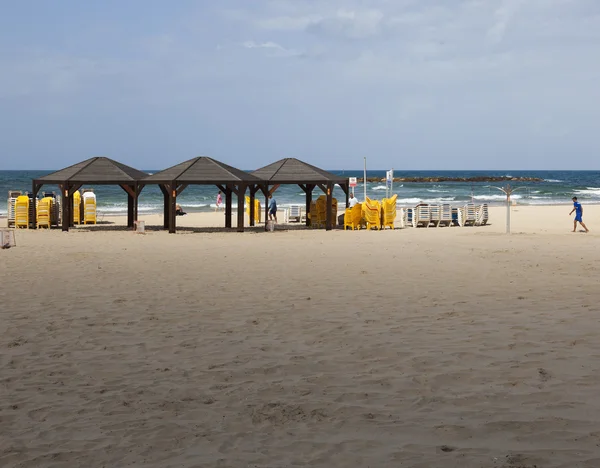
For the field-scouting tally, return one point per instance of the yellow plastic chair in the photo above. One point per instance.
(89, 210)
(353, 217)
(22, 212)
(388, 215)
(76, 207)
(372, 213)
(312, 214)
(257, 209)
(44, 212)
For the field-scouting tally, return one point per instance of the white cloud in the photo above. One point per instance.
(503, 16)
(277, 49)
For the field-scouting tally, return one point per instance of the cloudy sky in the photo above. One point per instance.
(413, 84)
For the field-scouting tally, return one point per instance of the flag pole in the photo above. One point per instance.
(365, 180)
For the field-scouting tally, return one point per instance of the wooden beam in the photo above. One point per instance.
(35, 188)
(66, 201)
(241, 193)
(172, 207)
(129, 190)
(165, 192)
(303, 187)
(181, 188)
(346, 189)
(329, 204)
(272, 189)
(252, 207)
(309, 191)
(323, 188)
(266, 193)
(130, 209)
(228, 210)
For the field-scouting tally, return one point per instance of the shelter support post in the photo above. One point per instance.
(165, 192)
(309, 192)
(329, 204)
(138, 191)
(266, 193)
(131, 201)
(228, 209)
(66, 204)
(241, 193)
(72, 190)
(35, 188)
(172, 188)
(346, 189)
(253, 190)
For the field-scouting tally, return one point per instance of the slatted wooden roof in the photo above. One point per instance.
(98, 170)
(202, 170)
(294, 171)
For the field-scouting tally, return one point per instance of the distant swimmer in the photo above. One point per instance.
(578, 209)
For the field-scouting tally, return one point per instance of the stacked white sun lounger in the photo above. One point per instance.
(445, 215)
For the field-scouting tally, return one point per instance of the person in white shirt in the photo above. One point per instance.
(353, 201)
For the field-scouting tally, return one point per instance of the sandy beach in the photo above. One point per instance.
(439, 347)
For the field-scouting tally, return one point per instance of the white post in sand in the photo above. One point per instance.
(365, 181)
(508, 190)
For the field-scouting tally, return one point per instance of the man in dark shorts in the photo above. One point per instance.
(272, 208)
(578, 209)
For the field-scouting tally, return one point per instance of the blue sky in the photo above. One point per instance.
(413, 84)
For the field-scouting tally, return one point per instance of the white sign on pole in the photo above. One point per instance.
(353, 182)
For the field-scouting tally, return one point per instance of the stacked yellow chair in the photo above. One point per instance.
(22, 212)
(44, 212)
(372, 213)
(353, 217)
(318, 211)
(321, 211)
(89, 210)
(388, 212)
(76, 207)
(257, 209)
(312, 214)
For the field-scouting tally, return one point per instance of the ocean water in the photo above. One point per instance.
(557, 187)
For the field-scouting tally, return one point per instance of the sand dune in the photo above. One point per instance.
(449, 347)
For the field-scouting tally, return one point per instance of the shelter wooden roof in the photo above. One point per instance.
(294, 171)
(97, 170)
(202, 170)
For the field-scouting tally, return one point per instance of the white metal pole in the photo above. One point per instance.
(392, 185)
(508, 213)
(365, 180)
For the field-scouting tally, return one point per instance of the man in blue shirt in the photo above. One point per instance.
(272, 208)
(578, 209)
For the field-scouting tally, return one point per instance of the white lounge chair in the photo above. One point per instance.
(482, 215)
(458, 218)
(295, 213)
(12, 200)
(408, 217)
(446, 215)
(470, 215)
(435, 215)
(401, 218)
(422, 216)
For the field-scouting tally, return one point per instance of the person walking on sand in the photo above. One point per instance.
(219, 201)
(272, 208)
(578, 209)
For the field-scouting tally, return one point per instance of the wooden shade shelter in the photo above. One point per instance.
(93, 171)
(292, 171)
(203, 170)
